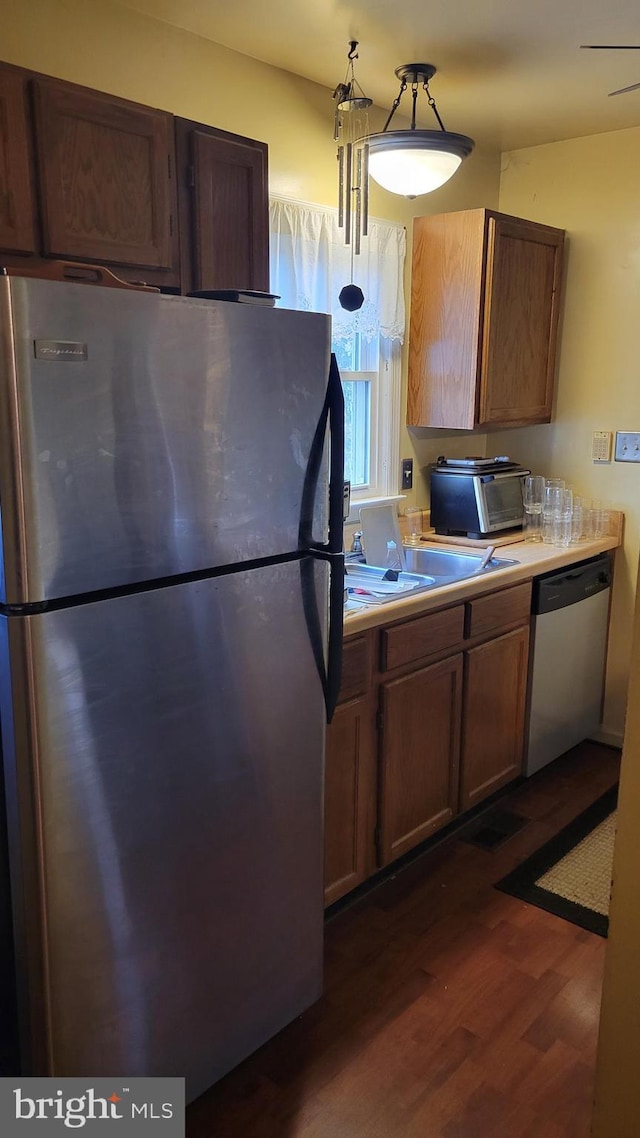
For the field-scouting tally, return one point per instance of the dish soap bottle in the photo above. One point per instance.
(393, 565)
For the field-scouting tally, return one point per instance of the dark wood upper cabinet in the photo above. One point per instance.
(18, 230)
(224, 225)
(106, 178)
(86, 176)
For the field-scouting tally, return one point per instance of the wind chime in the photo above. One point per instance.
(351, 132)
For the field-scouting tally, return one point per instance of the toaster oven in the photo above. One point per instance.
(476, 497)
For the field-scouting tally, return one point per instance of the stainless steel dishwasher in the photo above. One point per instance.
(569, 645)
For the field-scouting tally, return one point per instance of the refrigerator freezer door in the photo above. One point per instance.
(174, 779)
(144, 436)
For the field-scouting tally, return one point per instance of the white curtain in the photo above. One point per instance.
(310, 264)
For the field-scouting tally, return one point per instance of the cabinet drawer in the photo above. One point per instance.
(355, 668)
(498, 610)
(421, 637)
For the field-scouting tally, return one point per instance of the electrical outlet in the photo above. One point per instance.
(407, 474)
(627, 446)
(601, 446)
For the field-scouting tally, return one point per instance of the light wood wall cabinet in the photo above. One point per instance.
(485, 291)
(350, 774)
(86, 176)
(431, 723)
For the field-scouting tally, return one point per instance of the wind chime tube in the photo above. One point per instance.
(347, 196)
(358, 193)
(340, 186)
(365, 189)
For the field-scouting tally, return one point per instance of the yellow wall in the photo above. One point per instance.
(589, 186)
(102, 45)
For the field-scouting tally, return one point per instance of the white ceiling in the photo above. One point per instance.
(510, 72)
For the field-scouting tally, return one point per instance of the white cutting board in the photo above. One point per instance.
(379, 525)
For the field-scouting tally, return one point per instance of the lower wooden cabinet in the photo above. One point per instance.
(493, 715)
(431, 722)
(349, 804)
(419, 755)
(350, 777)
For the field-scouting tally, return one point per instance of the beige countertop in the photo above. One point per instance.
(533, 558)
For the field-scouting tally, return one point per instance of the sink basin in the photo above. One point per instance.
(427, 567)
(446, 565)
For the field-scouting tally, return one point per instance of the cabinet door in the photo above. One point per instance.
(493, 715)
(17, 223)
(349, 810)
(446, 305)
(225, 219)
(524, 263)
(420, 755)
(106, 180)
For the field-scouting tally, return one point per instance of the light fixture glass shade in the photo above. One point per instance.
(415, 162)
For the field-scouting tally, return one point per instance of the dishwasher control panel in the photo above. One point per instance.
(558, 589)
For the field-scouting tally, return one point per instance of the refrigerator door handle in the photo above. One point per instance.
(332, 414)
(335, 396)
(336, 630)
(330, 672)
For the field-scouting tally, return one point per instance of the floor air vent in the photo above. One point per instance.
(494, 829)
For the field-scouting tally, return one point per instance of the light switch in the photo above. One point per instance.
(627, 446)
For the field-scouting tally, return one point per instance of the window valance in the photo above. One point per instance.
(310, 263)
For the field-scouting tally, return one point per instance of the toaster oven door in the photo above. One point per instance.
(499, 500)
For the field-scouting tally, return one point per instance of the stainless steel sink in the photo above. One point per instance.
(446, 565)
(426, 567)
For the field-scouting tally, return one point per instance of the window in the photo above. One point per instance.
(370, 371)
(309, 265)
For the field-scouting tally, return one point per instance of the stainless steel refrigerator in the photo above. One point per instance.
(171, 502)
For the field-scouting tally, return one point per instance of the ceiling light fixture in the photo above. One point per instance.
(414, 162)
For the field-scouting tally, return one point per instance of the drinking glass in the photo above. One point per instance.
(533, 500)
(550, 509)
(563, 523)
(414, 525)
(577, 520)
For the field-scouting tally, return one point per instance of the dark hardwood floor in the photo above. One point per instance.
(451, 1010)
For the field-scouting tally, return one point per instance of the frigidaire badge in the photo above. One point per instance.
(60, 351)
